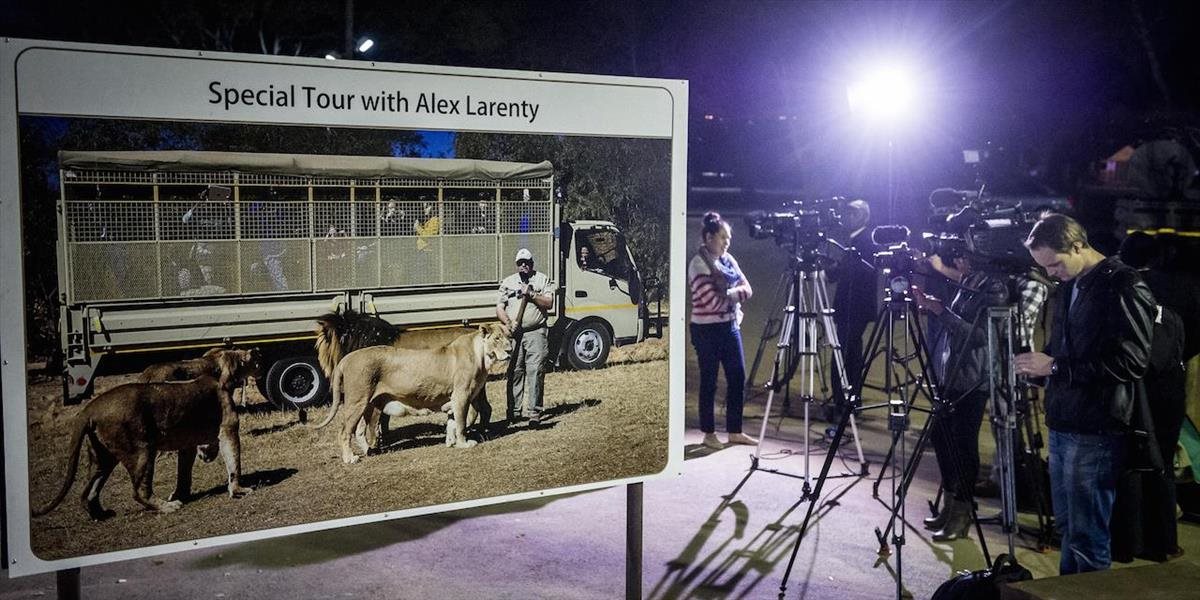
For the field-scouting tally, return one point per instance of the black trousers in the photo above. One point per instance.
(955, 438)
(850, 334)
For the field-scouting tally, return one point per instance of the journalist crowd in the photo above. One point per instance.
(1100, 345)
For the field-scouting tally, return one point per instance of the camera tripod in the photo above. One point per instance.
(1015, 428)
(898, 314)
(805, 311)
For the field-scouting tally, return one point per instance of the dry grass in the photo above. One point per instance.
(602, 425)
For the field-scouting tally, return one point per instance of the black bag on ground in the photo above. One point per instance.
(984, 584)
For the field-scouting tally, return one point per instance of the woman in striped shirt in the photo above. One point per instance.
(718, 290)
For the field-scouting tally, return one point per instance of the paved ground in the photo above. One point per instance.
(696, 545)
(698, 541)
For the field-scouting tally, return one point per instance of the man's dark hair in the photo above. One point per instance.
(1057, 232)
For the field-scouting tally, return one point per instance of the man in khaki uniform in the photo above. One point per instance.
(528, 360)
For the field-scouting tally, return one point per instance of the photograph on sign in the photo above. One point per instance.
(193, 282)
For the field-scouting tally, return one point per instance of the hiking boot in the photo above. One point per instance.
(743, 439)
(711, 441)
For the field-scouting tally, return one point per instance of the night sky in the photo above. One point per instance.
(1050, 86)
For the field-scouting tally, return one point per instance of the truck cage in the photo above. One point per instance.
(145, 226)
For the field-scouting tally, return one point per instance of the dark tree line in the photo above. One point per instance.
(626, 181)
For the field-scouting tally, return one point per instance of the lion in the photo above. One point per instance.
(207, 364)
(131, 423)
(398, 380)
(340, 333)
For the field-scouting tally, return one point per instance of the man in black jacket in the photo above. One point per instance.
(856, 303)
(1098, 349)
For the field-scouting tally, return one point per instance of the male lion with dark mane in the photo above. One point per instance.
(131, 423)
(399, 380)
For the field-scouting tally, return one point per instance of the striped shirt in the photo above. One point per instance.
(1033, 294)
(709, 303)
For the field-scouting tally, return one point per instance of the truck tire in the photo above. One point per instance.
(587, 345)
(296, 382)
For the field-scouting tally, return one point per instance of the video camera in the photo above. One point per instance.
(991, 230)
(802, 228)
(802, 223)
(896, 257)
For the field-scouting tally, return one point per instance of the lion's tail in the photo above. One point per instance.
(83, 428)
(340, 333)
(336, 390)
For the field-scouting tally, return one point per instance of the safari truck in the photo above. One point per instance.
(181, 250)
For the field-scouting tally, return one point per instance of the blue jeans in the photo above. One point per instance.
(1083, 486)
(720, 345)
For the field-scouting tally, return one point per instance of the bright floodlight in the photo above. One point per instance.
(885, 94)
(365, 45)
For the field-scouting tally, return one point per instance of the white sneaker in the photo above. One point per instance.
(743, 439)
(711, 441)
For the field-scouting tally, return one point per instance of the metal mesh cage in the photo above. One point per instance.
(470, 259)
(199, 268)
(215, 234)
(346, 263)
(537, 243)
(273, 265)
(108, 271)
(406, 264)
(110, 221)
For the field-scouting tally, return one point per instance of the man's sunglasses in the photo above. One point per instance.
(525, 261)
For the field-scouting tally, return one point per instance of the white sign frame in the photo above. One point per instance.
(45, 78)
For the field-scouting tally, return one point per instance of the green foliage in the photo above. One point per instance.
(626, 181)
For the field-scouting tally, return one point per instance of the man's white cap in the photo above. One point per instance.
(523, 254)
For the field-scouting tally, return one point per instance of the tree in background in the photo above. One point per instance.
(626, 181)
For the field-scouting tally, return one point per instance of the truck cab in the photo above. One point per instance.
(604, 297)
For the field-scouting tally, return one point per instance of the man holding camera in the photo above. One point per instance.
(961, 363)
(1098, 349)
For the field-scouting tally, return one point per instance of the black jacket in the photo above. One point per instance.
(858, 291)
(964, 331)
(1101, 346)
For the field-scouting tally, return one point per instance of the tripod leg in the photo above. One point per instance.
(814, 498)
(822, 307)
(762, 431)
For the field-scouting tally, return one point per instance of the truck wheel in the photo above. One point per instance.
(296, 382)
(587, 345)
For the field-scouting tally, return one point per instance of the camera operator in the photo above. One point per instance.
(1098, 348)
(856, 284)
(960, 362)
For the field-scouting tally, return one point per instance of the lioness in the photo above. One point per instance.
(132, 423)
(207, 364)
(398, 380)
(183, 370)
